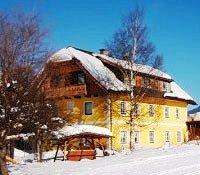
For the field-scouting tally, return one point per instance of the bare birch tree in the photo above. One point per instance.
(131, 41)
(131, 44)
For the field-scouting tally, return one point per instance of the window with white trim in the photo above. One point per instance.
(178, 136)
(123, 137)
(80, 78)
(136, 109)
(123, 107)
(70, 107)
(167, 136)
(147, 82)
(88, 108)
(137, 137)
(166, 112)
(151, 110)
(177, 113)
(151, 136)
(166, 87)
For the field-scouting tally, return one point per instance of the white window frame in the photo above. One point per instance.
(85, 107)
(136, 109)
(124, 137)
(70, 106)
(166, 86)
(167, 107)
(147, 82)
(178, 136)
(177, 113)
(123, 107)
(80, 78)
(151, 140)
(138, 137)
(151, 110)
(167, 136)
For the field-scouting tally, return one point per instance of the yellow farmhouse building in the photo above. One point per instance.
(141, 106)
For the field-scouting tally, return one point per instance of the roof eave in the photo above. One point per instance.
(192, 102)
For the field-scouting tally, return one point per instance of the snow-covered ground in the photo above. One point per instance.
(183, 159)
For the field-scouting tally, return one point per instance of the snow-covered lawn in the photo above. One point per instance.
(184, 159)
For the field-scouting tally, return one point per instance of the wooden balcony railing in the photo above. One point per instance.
(67, 91)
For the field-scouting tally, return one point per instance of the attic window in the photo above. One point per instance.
(146, 82)
(80, 78)
(166, 87)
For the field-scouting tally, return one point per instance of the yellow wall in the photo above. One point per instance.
(159, 124)
(77, 116)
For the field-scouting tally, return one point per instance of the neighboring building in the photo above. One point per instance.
(193, 124)
(92, 89)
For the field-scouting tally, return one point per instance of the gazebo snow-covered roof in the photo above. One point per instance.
(70, 131)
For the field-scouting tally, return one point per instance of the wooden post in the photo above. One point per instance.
(101, 146)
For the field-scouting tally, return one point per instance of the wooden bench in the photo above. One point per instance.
(77, 155)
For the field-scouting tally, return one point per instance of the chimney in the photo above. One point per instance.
(104, 52)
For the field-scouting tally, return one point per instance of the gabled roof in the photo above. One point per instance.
(145, 69)
(93, 63)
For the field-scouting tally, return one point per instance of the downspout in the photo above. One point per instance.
(109, 117)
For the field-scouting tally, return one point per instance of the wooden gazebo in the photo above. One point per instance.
(80, 141)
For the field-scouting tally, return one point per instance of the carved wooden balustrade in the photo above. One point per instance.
(67, 91)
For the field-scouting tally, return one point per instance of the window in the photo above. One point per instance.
(166, 112)
(146, 82)
(80, 78)
(137, 137)
(177, 113)
(178, 136)
(167, 136)
(136, 109)
(151, 136)
(70, 107)
(166, 87)
(123, 137)
(88, 108)
(123, 107)
(151, 110)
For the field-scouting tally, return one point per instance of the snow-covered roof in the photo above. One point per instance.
(68, 131)
(93, 65)
(136, 67)
(178, 92)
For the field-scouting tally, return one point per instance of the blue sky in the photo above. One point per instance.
(174, 28)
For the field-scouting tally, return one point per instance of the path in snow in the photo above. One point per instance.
(183, 160)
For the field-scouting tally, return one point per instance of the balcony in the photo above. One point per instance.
(67, 91)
